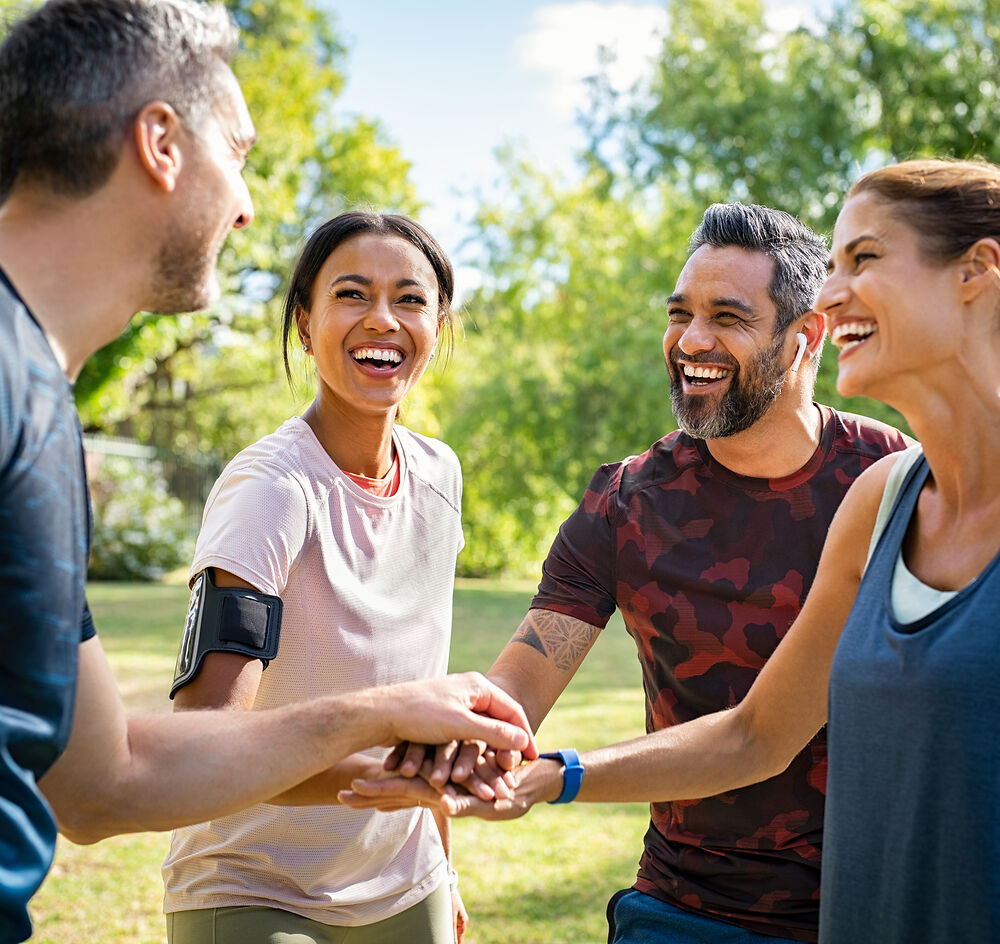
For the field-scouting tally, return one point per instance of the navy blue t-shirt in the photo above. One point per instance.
(44, 538)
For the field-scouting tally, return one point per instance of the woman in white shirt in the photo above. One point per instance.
(355, 523)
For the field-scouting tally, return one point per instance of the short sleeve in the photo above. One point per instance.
(87, 628)
(254, 525)
(578, 576)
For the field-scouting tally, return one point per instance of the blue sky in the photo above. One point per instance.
(451, 80)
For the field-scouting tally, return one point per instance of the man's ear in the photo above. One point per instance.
(813, 326)
(157, 132)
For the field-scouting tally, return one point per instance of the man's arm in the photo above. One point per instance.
(722, 751)
(534, 668)
(541, 659)
(158, 772)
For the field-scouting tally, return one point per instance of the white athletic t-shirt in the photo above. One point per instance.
(367, 585)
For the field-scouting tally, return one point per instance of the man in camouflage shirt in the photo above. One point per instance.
(708, 543)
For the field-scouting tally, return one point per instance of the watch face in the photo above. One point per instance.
(190, 627)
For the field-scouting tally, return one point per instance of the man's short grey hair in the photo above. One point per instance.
(75, 73)
(800, 255)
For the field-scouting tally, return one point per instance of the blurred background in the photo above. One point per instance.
(562, 153)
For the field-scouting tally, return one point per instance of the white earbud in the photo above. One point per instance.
(800, 339)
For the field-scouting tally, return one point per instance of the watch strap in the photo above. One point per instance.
(572, 773)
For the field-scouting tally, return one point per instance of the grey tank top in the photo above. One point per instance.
(912, 837)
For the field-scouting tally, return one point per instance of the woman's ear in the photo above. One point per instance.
(302, 324)
(156, 132)
(979, 268)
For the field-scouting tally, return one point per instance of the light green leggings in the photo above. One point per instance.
(428, 922)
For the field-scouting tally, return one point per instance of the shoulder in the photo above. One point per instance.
(865, 436)
(660, 465)
(433, 462)
(271, 471)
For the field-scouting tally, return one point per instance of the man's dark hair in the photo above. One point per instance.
(75, 73)
(800, 255)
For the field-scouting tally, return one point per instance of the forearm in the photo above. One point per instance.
(541, 658)
(173, 770)
(707, 756)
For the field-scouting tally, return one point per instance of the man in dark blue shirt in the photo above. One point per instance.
(123, 134)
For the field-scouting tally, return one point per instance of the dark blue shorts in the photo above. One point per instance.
(635, 918)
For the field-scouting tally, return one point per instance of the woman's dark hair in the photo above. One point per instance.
(948, 204)
(357, 223)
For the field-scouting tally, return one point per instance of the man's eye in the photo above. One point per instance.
(727, 318)
(677, 314)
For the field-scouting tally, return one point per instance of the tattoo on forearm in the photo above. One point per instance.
(556, 636)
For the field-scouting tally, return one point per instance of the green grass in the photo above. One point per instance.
(543, 878)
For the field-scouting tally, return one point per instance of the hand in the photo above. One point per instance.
(460, 915)
(536, 781)
(472, 764)
(457, 707)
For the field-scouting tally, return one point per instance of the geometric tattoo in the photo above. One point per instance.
(556, 636)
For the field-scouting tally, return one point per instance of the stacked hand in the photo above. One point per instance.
(465, 778)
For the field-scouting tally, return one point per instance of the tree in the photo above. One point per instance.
(562, 364)
(562, 369)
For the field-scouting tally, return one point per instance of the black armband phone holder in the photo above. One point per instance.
(226, 619)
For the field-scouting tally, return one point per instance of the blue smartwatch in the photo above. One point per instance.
(572, 773)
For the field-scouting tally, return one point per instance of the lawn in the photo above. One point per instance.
(544, 878)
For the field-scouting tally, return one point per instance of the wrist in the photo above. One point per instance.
(564, 787)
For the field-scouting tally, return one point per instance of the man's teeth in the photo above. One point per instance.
(377, 354)
(850, 334)
(693, 372)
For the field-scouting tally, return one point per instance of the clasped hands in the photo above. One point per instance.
(460, 778)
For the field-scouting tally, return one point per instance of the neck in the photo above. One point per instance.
(778, 444)
(75, 268)
(358, 442)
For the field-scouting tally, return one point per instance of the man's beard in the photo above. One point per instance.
(185, 278)
(752, 391)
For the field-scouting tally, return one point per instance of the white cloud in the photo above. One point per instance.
(564, 40)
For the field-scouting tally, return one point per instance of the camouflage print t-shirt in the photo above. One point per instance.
(709, 569)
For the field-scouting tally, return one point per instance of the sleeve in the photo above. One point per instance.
(578, 576)
(254, 526)
(87, 628)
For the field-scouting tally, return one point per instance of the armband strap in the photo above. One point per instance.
(226, 619)
(572, 773)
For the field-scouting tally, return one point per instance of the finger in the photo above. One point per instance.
(444, 759)
(394, 792)
(510, 728)
(464, 805)
(508, 760)
(396, 756)
(494, 778)
(413, 757)
(466, 761)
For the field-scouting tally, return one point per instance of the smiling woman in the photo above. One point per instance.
(354, 522)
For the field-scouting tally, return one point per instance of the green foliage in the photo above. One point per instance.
(212, 382)
(562, 365)
(546, 877)
(140, 531)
